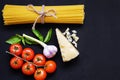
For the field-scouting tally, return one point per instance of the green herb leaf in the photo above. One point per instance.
(13, 40)
(28, 41)
(18, 35)
(38, 34)
(48, 36)
(22, 38)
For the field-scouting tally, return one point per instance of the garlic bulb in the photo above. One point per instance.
(49, 50)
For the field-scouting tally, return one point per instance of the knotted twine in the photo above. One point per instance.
(42, 14)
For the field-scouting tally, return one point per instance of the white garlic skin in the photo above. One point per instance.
(50, 51)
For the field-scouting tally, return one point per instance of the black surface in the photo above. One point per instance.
(99, 42)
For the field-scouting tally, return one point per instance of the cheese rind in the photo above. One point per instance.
(68, 51)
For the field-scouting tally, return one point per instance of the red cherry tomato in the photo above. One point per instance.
(39, 59)
(50, 66)
(28, 54)
(40, 74)
(28, 69)
(16, 63)
(16, 49)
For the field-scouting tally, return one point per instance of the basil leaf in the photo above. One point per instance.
(22, 38)
(48, 36)
(13, 40)
(18, 35)
(28, 41)
(38, 34)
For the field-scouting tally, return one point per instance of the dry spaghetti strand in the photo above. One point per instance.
(19, 14)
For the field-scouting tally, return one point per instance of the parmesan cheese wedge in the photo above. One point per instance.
(68, 51)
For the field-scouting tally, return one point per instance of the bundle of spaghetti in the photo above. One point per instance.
(19, 14)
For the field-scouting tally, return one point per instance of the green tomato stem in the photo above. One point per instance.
(35, 40)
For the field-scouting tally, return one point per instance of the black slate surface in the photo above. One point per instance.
(99, 42)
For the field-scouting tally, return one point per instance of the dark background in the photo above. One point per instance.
(99, 42)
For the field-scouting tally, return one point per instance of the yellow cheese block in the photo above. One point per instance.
(68, 51)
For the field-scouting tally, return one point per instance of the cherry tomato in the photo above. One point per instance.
(28, 68)
(40, 74)
(50, 66)
(16, 63)
(16, 49)
(39, 59)
(28, 54)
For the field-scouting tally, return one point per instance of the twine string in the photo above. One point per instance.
(42, 14)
